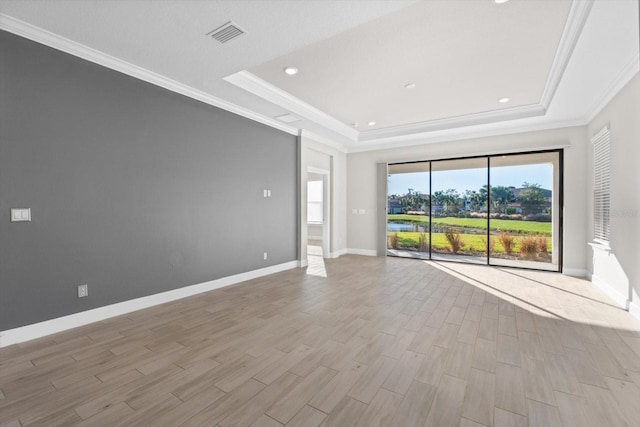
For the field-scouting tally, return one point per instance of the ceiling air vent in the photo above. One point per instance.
(227, 32)
(287, 118)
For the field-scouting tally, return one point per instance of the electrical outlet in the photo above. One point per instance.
(265, 255)
(83, 291)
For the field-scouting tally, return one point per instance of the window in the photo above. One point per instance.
(502, 209)
(314, 202)
(601, 185)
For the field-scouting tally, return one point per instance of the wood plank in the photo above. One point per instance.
(336, 389)
(286, 408)
(479, 397)
(345, 412)
(376, 374)
(381, 410)
(510, 389)
(404, 372)
(415, 406)
(447, 405)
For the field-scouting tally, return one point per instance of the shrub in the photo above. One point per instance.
(492, 244)
(454, 239)
(542, 244)
(423, 242)
(393, 240)
(538, 217)
(529, 247)
(508, 242)
(510, 210)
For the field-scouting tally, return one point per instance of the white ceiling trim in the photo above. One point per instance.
(326, 141)
(465, 134)
(40, 35)
(393, 133)
(578, 14)
(259, 87)
(631, 68)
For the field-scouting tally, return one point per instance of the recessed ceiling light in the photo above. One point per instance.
(372, 123)
(500, 1)
(410, 86)
(504, 100)
(292, 71)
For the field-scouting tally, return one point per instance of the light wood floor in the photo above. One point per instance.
(377, 341)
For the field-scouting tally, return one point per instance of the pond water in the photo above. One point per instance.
(395, 226)
(436, 228)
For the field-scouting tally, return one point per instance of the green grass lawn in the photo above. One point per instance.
(508, 225)
(472, 242)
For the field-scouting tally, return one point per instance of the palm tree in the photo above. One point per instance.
(501, 197)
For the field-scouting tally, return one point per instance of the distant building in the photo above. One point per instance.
(394, 207)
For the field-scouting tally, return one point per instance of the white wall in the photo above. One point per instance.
(617, 271)
(361, 179)
(322, 156)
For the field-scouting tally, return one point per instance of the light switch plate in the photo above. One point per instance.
(20, 214)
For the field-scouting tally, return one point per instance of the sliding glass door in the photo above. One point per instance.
(524, 219)
(459, 196)
(408, 210)
(502, 210)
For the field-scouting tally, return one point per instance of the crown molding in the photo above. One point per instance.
(628, 71)
(401, 132)
(47, 38)
(259, 87)
(466, 134)
(578, 14)
(323, 140)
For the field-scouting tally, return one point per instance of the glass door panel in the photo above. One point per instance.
(524, 210)
(459, 210)
(408, 210)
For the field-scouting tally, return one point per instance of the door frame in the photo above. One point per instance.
(326, 209)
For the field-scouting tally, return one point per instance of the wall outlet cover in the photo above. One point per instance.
(83, 291)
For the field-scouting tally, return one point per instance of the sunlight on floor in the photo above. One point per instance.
(550, 295)
(316, 261)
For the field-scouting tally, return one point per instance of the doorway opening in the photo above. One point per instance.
(318, 220)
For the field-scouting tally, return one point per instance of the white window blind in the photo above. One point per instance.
(601, 185)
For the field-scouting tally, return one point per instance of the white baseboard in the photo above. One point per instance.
(338, 253)
(302, 263)
(365, 252)
(576, 272)
(41, 329)
(605, 287)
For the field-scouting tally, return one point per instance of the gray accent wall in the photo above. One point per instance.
(133, 189)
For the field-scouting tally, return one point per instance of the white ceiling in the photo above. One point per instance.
(559, 61)
(463, 56)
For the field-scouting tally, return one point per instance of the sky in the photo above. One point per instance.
(473, 179)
